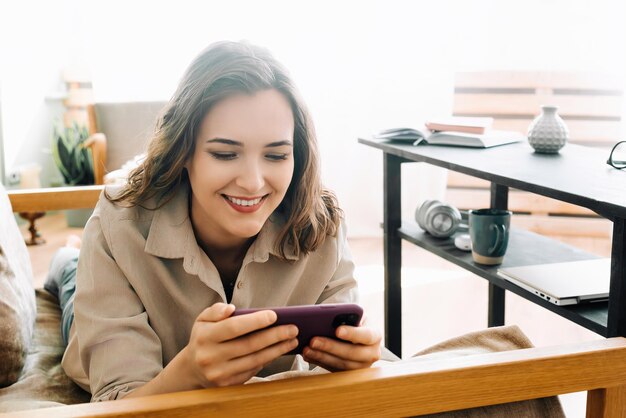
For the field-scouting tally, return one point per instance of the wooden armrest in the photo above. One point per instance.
(54, 198)
(98, 144)
(400, 389)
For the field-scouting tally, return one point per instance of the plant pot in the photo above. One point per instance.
(77, 218)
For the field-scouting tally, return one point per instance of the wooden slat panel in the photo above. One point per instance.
(541, 224)
(540, 79)
(518, 125)
(406, 389)
(530, 104)
(591, 131)
(521, 93)
(585, 132)
(55, 198)
(598, 246)
(518, 202)
(460, 180)
(565, 226)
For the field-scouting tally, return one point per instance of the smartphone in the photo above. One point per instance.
(313, 320)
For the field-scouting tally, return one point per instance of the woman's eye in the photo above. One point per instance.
(277, 157)
(223, 155)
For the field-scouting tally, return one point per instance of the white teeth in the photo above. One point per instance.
(242, 202)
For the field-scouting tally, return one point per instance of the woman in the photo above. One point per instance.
(226, 210)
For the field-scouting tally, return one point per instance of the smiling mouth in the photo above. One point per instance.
(244, 202)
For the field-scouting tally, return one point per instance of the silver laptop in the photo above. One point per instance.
(564, 283)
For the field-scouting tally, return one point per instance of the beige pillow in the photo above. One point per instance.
(17, 297)
(491, 340)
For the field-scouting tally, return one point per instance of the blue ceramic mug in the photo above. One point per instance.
(489, 232)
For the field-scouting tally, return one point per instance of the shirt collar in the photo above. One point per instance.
(171, 233)
(265, 243)
(171, 227)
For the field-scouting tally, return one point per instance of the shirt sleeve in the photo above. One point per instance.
(118, 349)
(342, 287)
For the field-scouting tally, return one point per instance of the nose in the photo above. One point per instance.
(251, 178)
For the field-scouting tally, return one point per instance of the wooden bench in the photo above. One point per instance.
(407, 389)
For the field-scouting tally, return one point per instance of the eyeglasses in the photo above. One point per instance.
(617, 158)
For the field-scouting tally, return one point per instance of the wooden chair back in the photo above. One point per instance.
(127, 127)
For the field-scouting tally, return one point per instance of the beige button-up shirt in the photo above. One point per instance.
(142, 280)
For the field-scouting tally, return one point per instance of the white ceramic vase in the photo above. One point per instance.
(548, 133)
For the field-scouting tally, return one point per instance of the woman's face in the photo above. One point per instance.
(241, 166)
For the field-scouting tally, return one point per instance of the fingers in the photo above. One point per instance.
(360, 349)
(359, 335)
(330, 361)
(236, 326)
(362, 354)
(262, 357)
(259, 340)
(239, 370)
(224, 327)
(228, 350)
(216, 312)
(235, 336)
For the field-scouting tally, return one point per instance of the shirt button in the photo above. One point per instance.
(239, 285)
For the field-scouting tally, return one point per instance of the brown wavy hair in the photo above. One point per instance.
(225, 68)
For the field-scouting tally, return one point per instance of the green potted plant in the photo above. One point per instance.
(75, 162)
(71, 156)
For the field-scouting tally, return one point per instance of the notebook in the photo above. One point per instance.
(564, 283)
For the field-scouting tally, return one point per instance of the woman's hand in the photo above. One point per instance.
(359, 349)
(226, 350)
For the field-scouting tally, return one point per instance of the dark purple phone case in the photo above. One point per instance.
(313, 320)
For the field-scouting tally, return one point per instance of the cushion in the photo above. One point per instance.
(490, 341)
(43, 382)
(127, 127)
(17, 297)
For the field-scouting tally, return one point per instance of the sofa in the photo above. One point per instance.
(480, 370)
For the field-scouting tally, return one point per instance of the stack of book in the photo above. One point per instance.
(453, 131)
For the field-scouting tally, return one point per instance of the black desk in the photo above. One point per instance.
(577, 175)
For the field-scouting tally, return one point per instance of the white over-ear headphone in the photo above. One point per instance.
(438, 219)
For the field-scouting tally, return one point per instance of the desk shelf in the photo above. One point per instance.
(576, 175)
(524, 248)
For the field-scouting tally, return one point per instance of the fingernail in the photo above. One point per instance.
(316, 344)
(342, 333)
(293, 331)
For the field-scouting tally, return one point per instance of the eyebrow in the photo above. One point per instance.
(227, 141)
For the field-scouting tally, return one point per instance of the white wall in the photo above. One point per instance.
(37, 41)
(361, 65)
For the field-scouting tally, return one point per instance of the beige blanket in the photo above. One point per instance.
(490, 341)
